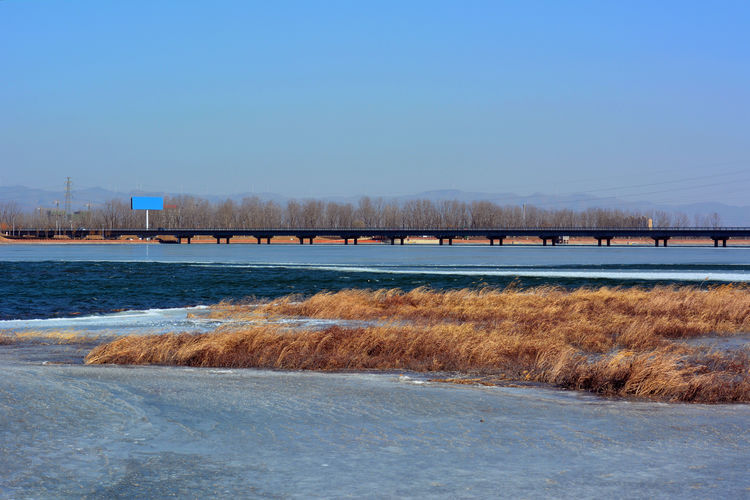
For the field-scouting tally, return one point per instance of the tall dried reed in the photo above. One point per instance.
(49, 337)
(608, 341)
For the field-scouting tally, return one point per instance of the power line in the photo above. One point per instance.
(652, 171)
(661, 191)
(675, 181)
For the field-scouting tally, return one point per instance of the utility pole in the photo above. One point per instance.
(68, 198)
(57, 216)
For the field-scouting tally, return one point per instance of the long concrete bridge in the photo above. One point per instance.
(603, 236)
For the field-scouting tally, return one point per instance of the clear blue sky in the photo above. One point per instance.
(348, 98)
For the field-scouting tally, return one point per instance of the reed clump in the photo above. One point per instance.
(610, 341)
(59, 337)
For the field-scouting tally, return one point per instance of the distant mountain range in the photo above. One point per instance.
(32, 198)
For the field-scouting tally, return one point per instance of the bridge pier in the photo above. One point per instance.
(393, 240)
(660, 238)
(311, 240)
(402, 241)
(550, 238)
(268, 240)
(301, 240)
(258, 238)
(346, 241)
(605, 238)
(440, 241)
(355, 240)
(716, 241)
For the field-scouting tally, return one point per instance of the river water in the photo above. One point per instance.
(70, 430)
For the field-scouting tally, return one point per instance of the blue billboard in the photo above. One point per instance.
(146, 203)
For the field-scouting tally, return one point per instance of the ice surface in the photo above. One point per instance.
(147, 432)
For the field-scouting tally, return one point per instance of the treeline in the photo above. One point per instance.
(250, 213)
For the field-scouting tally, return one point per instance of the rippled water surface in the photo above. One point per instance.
(70, 430)
(65, 280)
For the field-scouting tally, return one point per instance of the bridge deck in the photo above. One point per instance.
(553, 235)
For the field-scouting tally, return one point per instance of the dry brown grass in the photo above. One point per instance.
(592, 319)
(608, 341)
(48, 337)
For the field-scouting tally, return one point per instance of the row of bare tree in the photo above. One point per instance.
(193, 212)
